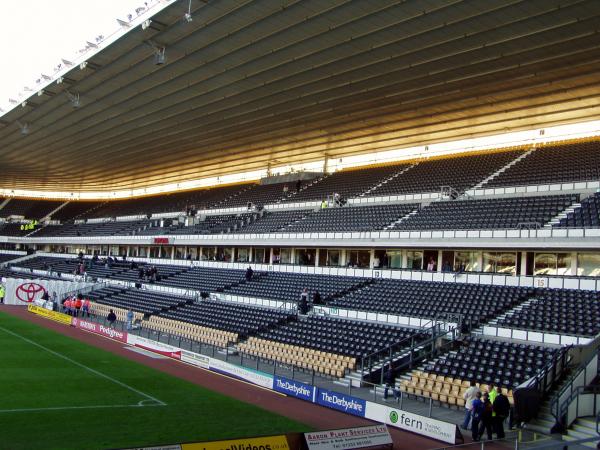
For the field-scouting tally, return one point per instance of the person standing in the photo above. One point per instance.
(249, 273)
(477, 409)
(389, 379)
(86, 308)
(129, 319)
(469, 395)
(501, 410)
(2, 293)
(303, 305)
(78, 304)
(111, 318)
(486, 417)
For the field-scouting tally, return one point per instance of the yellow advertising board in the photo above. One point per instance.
(260, 443)
(52, 315)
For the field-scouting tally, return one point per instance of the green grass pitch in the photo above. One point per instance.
(59, 393)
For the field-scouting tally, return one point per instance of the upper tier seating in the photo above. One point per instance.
(204, 279)
(344, 337)
(271, 222)
(428, 299)
(75, 210)
(562, 163)
(487, 214)
(30, 209)
(585, 216)
(461, 173)
(180, 201)
(93, 229)
(144, 301)
(13, 229)
(348, 183)
(241, 319)
(289, 286)
(366, 218)
(258, 194)
(488, 361)
(565, 312)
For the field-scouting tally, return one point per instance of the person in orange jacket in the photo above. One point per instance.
(78, 304)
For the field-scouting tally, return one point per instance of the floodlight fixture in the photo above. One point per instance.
(83, 65)
(74, 98)
(159, 52)
(123, 24)
(146, 24)
(188, 15)
(24, 128)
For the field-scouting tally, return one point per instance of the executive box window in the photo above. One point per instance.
(329, 257)
(499, 262)
(466, 262)
(588, 264)
(552, 264)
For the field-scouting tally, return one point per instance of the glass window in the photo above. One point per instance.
(179, 252)
(563, 264)
(285, 256)
(259, 255)
(465, 262)
(545, 264)
(497, 262)
(588, 264)
(414, 260)
(394, 259)
(209, 254)
(305, 256)
(242, 255)
(329, 257)
(359, 258)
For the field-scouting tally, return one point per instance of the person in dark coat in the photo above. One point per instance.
(249, 273)
(389, 379)
(486, 417)
(111, 318)
(317, 300)
(501, 407)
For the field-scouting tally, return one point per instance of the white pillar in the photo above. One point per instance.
(523, 264)
(573, 263)
(439, 261)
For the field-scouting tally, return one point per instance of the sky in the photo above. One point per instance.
(36, 34)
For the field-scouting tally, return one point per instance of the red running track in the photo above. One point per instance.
(315, 416)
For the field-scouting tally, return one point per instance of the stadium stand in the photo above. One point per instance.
(347, 183)
(587, 215)
(460, 173)
(30, 209)
(485, 361)
(271, 222)
(428, 299)
(76, 210)
(366, 218)
(551, 164)
(564, 312)
(146, 302)
(488, 213)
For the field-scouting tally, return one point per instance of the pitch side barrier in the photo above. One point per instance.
(414, 423)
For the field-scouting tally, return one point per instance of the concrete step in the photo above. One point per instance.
(568, 438)
(577, 436)
(589, 422)
(582, 429)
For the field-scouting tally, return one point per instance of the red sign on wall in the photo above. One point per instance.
(160, 240)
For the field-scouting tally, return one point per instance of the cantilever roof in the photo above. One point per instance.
(248, 83)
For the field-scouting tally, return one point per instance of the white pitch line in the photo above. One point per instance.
(64, 408)
(83, 366)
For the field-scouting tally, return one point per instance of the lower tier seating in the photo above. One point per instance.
(570, 312)
(190, 331)
(307, 358)
(502, 363)
(340, 336)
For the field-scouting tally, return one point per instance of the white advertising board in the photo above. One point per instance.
(425, 426)
(349, 438)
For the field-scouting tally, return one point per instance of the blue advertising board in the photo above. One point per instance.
(341, 402)
(294, 388)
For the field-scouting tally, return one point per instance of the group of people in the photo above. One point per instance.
(76, 305)
(304, 304)
(149, 273)
(485, 411)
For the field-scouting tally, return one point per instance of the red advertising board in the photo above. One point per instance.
(102, 330)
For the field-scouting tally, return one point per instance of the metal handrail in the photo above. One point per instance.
(556, 409)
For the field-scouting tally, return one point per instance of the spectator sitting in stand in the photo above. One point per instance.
(249, 273)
